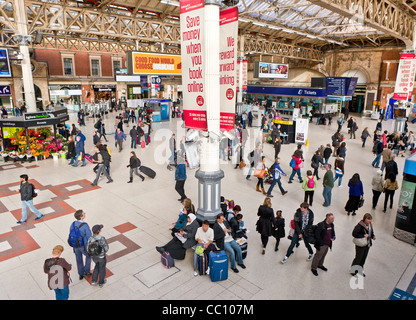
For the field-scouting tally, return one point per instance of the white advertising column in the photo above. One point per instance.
(23, 39)
(209, 174)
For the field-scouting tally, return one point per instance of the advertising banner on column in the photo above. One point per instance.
(405, 76)
(193, 69)
(228, 66)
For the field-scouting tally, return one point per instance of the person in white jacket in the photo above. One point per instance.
(378, 186)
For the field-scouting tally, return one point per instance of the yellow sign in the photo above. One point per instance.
(153, 63)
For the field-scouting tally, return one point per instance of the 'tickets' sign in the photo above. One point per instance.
(228, 66)
(405, 76)
(193, 69)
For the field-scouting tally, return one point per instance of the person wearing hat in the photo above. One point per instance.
(100, 260)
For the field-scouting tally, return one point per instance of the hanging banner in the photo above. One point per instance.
(228, 67)
(193, 69)
(244, 71)
(405, 76)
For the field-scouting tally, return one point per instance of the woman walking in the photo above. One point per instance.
(266, 223)
(309, 186)
(356, 192)
(363, 234)
(260, 175)
(134, 165)
(378, 187)
(390, 186)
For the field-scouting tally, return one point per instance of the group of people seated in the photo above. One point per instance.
(188, 233)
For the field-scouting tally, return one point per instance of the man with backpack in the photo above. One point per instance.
(27, 193)
(103, 159)
(97, 249)
(276, 172)
(79, 233)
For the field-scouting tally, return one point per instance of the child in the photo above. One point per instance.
(327, 153)
(279, 231)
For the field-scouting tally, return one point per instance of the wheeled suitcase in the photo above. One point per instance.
(143, 144)
(244, 247)
(167, 261)
(202, 264)
(148, 172)
(218, 266)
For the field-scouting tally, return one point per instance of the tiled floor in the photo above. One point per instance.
(137, 217)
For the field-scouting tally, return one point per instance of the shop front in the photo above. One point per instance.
(104, 92)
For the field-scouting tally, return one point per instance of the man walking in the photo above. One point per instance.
(378, 150)
(172, 148)
(324, 236)
(276, 172)
(180, 177)
(133, 135)
(27, 192)
(120, 137)
(102, 158)
(80, 251)
(328, 185)
(303, 218)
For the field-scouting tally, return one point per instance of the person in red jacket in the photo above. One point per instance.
(295, 165)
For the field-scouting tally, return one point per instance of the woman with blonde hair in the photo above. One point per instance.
(57, 269)
(266, 223)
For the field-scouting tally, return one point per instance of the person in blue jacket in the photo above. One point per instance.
(276, 172)
(83, 268)
(180, 177)
(80, 149)
(356, 192)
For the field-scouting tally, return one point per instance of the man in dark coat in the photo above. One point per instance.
(324, 236)
(303, 218)
(224, 241)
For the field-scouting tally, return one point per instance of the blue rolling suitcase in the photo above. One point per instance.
(218, 266)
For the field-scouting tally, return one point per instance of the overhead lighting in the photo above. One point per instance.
(243, 20)
(171, 3)
(275, 28)
(258, 24)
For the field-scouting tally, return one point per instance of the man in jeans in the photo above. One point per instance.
(325, 235)
(84, 229)
(26, 195)
(101, 259)
(328, 185)
(224, 241)
(204, 237)
(303, 217)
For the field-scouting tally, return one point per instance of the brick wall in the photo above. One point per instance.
(53, 59)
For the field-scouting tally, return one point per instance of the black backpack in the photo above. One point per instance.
(309, 233)
(94, 249)
(106, 157)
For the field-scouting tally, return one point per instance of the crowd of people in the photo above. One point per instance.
(189, 234)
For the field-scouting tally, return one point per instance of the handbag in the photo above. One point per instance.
(242, 164)
(259, 173)
(360, 242)
(361, 203)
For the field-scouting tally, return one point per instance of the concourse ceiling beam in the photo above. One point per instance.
(381, 15)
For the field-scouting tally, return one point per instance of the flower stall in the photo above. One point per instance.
(33, 136)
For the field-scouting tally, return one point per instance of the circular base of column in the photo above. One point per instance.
(209, 195)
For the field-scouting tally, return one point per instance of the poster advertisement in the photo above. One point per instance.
(5, 70)
(405, 76)
(228, 66)
(301, 134)
(154, 63)
(193, 69)
(271, 70)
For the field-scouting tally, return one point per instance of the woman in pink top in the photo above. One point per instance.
(295, 165)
